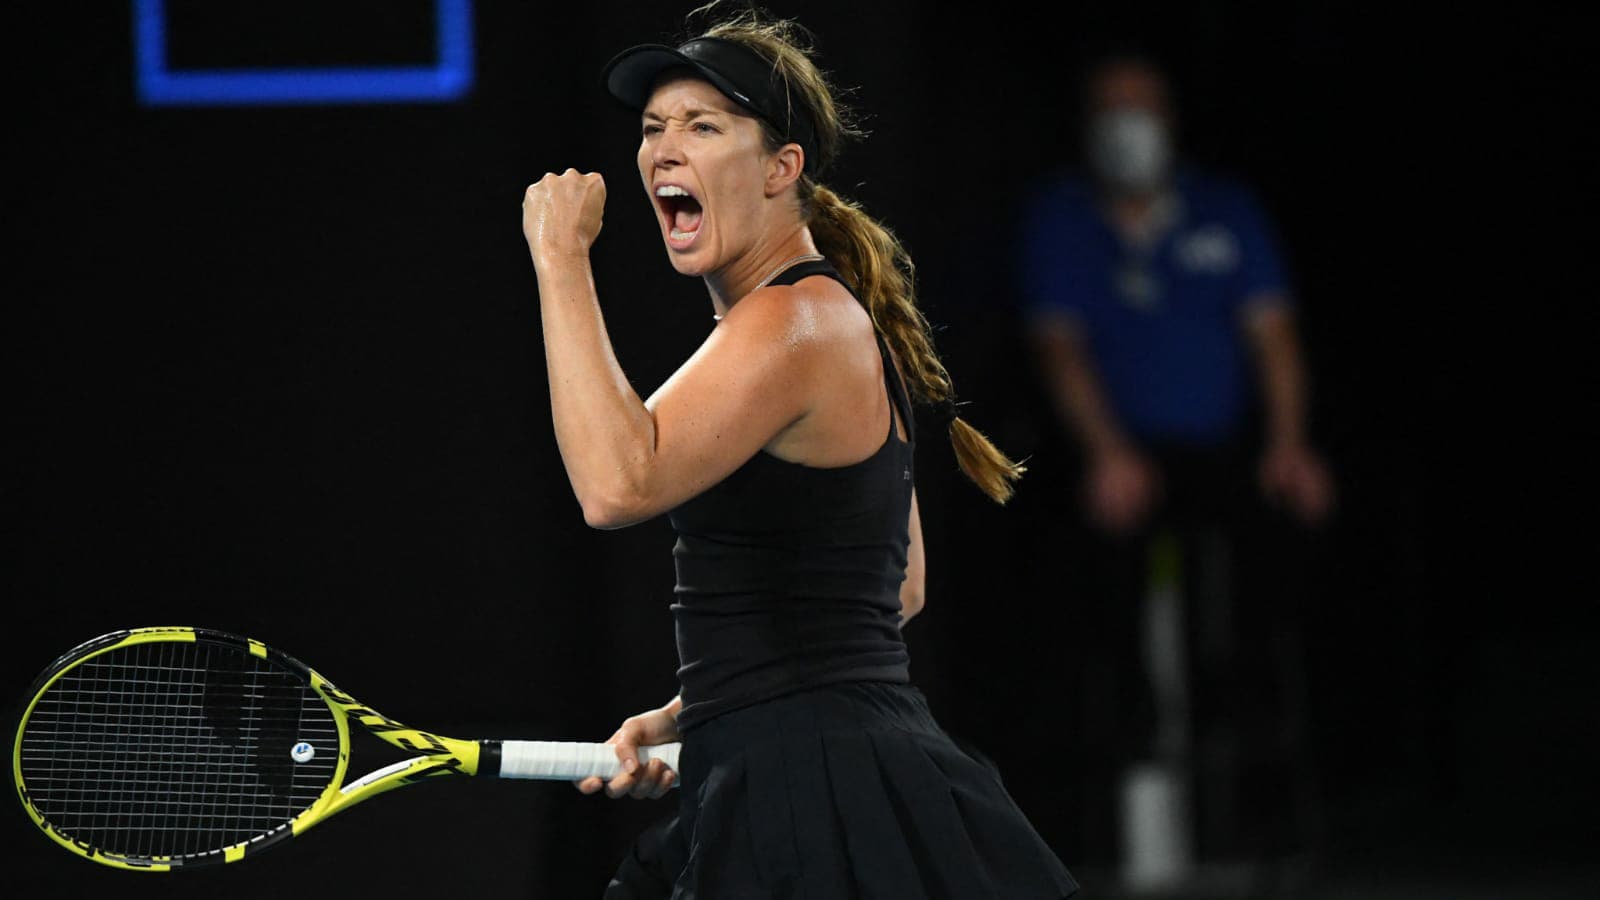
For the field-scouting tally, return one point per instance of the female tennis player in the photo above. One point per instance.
(782, 453)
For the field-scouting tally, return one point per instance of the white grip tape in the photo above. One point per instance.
(572, 760)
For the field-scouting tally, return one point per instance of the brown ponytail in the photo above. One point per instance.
(866, 253)
(870, 257)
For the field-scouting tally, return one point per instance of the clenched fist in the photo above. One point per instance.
(562, 214)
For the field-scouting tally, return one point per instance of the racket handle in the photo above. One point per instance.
(566, 760)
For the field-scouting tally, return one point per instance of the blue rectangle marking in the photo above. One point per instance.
(449, 79)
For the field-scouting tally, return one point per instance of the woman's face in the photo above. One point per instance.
(705, 165)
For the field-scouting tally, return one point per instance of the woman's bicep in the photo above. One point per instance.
(749, 381)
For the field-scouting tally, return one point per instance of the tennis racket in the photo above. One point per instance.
(164, 749)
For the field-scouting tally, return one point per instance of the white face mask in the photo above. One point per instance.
(1130, 149)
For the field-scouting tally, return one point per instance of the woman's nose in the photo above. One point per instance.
(667, 148)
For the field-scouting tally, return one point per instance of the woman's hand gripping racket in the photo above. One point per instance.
(161, 749)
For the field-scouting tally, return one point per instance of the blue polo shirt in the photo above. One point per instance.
(1164, 322)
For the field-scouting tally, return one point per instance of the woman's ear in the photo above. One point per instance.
(784, 168)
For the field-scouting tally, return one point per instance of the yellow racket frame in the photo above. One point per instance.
(440, 756)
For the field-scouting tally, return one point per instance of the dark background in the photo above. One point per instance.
(278, 370)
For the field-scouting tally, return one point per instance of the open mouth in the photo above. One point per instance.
(682, 212)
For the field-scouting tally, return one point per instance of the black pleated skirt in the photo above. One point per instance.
(838, 792)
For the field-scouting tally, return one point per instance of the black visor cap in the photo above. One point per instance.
(740, 73)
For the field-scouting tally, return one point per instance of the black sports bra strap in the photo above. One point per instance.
(806, 270)
(897, 391)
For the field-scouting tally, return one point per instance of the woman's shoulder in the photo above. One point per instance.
(831, 360)
(815, 311)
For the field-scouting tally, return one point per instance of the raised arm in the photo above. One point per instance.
(629, 460)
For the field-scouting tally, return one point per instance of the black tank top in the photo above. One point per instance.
(789, 575)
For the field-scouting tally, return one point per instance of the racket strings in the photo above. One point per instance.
(175, 749)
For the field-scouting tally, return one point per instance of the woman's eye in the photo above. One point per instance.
(652, 129)
(705, 128)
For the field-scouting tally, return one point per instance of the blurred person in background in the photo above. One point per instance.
(1164, 325)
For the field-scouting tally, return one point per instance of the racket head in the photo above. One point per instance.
(161, 749)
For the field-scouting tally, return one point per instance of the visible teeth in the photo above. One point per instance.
(680, 235)
(671, 190)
